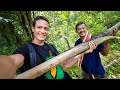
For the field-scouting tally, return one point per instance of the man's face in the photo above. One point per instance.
(81, 30)
(40, 30)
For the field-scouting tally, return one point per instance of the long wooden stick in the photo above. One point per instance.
(46, 66)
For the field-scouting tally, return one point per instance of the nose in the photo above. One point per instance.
(82, 30)
(43, 30)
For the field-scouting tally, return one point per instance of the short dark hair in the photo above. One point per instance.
(79, 23)
(38, 18)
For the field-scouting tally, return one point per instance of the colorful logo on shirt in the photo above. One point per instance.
(56, 72)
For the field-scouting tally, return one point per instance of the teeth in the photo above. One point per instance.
(81, 32)
(41, 35)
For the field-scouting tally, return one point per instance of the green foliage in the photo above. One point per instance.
(75, 72)
(7, 50)
(114, 71)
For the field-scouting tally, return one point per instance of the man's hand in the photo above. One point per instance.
(114, 32)
(7, 67)
(92, 47)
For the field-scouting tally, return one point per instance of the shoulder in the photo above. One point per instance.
(50, 45)
(53, 48)
(78, 42)
(22, 49)
(100, 47)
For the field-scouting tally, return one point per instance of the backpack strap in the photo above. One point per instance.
(32, 55)
(50, 46)
(32, 51)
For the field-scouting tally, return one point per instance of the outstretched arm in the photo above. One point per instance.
(18, 59)
(69, 63)
(9, 65)
(106, 49)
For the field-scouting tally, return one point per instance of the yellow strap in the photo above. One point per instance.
(53, 72)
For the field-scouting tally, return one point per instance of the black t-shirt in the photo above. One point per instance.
(41, 53)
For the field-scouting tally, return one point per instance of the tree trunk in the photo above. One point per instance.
(22, 15)
(46, 66)
(28, 15)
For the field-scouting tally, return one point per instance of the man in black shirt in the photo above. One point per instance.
(22, 59)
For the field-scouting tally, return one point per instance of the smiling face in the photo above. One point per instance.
(40, 30)
(81, 30)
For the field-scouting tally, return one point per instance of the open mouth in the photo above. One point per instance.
(42, 36)
(83, 32)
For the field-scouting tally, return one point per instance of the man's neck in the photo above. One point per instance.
(38, 42)
(82, 38)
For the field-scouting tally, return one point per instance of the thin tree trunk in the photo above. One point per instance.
(28, 15)
(111, 63)
(23, 23)
(33, 16)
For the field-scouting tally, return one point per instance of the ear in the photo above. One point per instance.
(32, 29)
(76, 31)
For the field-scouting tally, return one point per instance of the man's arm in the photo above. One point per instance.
(18, 59)
(106, 48)
(69, 63)
(9, 65)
